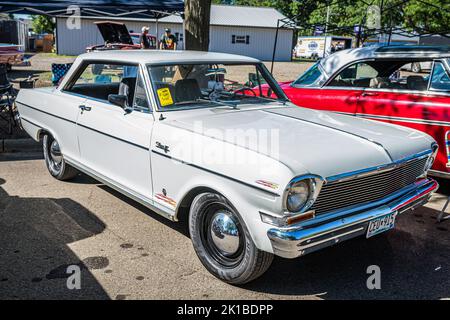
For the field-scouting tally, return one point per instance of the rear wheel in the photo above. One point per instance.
(54, 160)
(222, 241)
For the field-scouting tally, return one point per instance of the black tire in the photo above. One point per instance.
(415, 67)
(246, 263)
(58, 169)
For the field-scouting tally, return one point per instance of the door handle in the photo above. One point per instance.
(84, 108)
(369, 94)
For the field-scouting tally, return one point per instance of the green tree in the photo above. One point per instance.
(42, 24)
(417, 15)
(430, 16)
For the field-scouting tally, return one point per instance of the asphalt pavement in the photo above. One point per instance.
(125, 251)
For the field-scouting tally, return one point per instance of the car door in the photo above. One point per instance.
(114, 142)
(340, 94)
(422, 105)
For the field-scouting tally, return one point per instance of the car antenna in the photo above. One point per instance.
(161, 117)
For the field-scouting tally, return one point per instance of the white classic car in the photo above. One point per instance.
(190, 134)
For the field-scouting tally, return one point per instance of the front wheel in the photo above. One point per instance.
(54, 160)
(222, 241)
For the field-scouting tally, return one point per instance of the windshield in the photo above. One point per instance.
(211, 85)
(313, 77)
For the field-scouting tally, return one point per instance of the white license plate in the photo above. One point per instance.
(381, 224)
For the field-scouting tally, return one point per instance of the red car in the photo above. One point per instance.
(370, 83)
(117, 37)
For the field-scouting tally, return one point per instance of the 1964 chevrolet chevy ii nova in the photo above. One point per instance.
(186, 134)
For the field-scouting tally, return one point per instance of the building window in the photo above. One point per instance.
(179, 36)
(240, 39)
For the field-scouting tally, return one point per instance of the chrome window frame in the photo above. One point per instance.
(446, 69)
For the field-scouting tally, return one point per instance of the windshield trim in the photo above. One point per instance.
(259, 66)
(323, 75)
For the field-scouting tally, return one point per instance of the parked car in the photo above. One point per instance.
(11, 55)
(369, 83)
(184, 135)
(117, 37)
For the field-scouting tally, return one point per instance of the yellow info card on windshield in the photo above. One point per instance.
(165, 97)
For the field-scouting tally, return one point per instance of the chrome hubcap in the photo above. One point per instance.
(55, 152)
(225, 233)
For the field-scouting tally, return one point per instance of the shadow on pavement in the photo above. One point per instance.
(414, 261)
(34, 255)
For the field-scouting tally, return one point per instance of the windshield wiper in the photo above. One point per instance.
(222, 103)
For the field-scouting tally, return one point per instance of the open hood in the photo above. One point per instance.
(114, 32)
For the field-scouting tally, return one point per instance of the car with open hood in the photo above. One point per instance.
(117, 37)
(404, 85)
(186, 134)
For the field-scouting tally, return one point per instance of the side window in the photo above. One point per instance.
(140, 96)
(413, 76)
(99, 80)
(440, 79)
(358, 75)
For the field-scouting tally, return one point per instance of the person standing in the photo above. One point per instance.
(143, 38)
(168, 41)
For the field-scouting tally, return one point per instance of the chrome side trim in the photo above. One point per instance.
(378, 169)
(293, 243)
(274, 194)
(399, 119)
(122, 189)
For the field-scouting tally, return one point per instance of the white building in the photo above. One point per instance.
(234, 29)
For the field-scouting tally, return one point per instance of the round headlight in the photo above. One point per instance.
(298, 195)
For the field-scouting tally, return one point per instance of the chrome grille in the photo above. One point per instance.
(339, 195)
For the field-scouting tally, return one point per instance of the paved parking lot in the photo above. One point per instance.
(126, 251)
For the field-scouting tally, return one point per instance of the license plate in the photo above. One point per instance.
(381, 224)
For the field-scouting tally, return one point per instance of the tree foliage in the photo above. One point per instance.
(423, 16)
(42, 24)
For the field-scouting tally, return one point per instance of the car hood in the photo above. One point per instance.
(114, 32)
(317, 142)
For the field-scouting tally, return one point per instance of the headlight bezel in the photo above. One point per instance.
(432, 158)
(315, 184)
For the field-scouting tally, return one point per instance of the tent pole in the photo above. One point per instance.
(275, 46)
(157, 34)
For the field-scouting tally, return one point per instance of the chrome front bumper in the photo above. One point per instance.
(292, 243)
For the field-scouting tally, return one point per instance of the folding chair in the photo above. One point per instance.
(7, 97)
(59, 70)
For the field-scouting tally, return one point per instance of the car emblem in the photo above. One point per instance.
(267, 184)
(162, 147)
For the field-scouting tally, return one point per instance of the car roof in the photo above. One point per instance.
(166, 56)
(340, 59)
